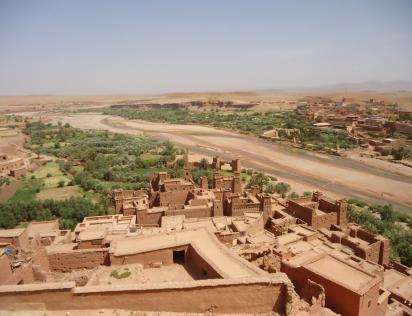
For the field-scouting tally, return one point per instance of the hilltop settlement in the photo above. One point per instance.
(216, 247)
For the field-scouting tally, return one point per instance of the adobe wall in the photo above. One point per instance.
(22, 275)
(364, 235)
(5, 269)
(18, 173)
(202, 211)
(198, 264)
(21, 241)
(384, 252)
(338, 298)
(147, 259)
(7, 166)
(377, 250)
(313, 293)
(256, 227)
(7, 191)
(369, 301)
(148, 218)
(339, 207)
(371, 252)
(90, 244)
(217, 209)
(325, 220)
(78, 259)
(39, 258)
(327, 206)
(227, 238)
(178, 197)
(263, 295)
(240, 209)
(301, 212)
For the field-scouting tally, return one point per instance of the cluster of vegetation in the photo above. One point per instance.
(115, 274)
(245, 122)
(382, 219)
(44, 178)
(268, 184)
(70, 212)
(91, 162)
(405, 116)
(99, 160)
(402, 152)
(4, 181)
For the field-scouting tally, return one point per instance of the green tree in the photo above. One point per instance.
(259, 179)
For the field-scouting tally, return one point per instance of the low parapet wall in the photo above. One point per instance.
(245, 295)
(78, 259)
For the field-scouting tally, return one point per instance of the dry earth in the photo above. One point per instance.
(267, 101)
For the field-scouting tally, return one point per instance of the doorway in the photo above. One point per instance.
(179, 256)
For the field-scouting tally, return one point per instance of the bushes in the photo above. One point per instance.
(293, 195)
(401, 153)
(399, 236)
(282, 188)
(70, 211)
(115, 274)
(198, 173)
(244, 122)
(357, 202)
(260, 180)
(106, 159)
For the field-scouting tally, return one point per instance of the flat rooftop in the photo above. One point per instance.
(141, 275)
(11, 233)
(341, 273)
(391, 277)
(403, 289)
(226, 263)
(92, 235)
(42, 227)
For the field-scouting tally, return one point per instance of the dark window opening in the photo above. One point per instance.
(179, 256)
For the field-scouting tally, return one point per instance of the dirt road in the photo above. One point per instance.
(378, 182)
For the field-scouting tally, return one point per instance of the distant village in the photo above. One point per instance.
(376, 126)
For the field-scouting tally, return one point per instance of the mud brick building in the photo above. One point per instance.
(318, 212)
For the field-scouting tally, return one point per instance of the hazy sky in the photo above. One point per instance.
(90, 47)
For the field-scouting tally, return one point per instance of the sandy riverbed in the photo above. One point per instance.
(376, 182)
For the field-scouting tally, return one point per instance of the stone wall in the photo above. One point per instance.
(78, 259)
